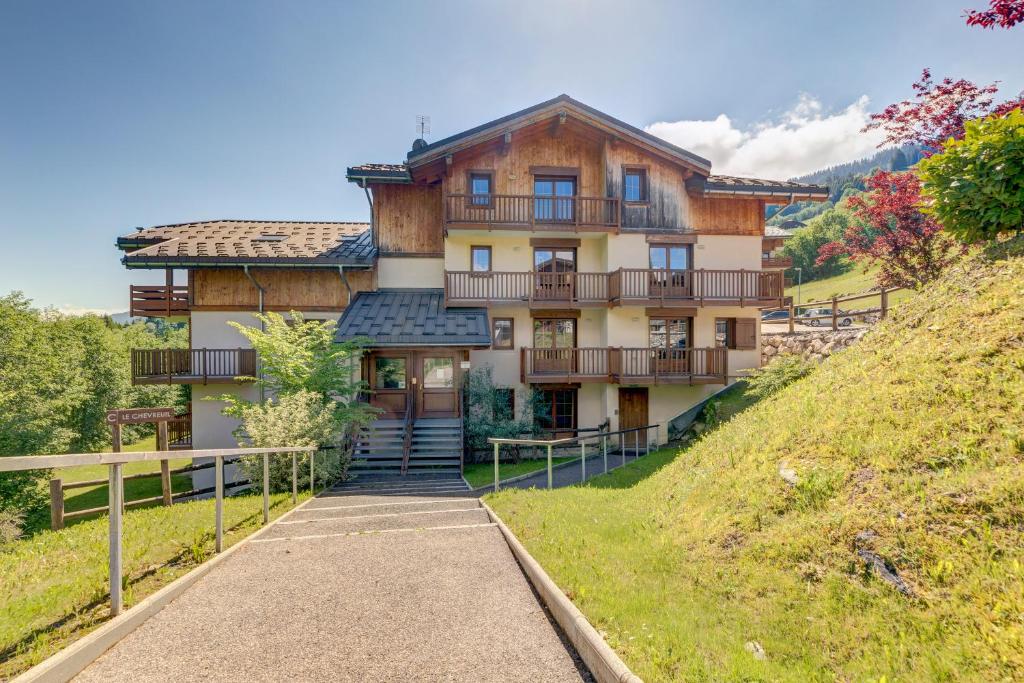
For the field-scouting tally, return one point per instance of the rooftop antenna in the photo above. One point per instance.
(423, 125)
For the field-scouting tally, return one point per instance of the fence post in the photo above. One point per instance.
(115, 515)
(56, 504)
(266, 488)
(835, 314)
(218, 488)
(792, 315)
(583, 461)
(657, 435)
(312, 473)
(496, 447)
(885, 302)
(550, 475)
(647, 440)
(165, 465)
(604, 452)
(295, 478)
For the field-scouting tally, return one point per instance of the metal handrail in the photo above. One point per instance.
(551, 443)
(116, 462)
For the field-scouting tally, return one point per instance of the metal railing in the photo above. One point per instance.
(116, 462)
(601, 437)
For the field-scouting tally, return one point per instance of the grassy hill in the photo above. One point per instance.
(908, 452)
(854, 281)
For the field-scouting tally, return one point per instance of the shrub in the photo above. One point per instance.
(304, 418)
(976, 184)
(488, 414)
(11, 524)
(779, 374)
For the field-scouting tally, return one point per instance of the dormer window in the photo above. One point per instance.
(481, 187)
(634, 184)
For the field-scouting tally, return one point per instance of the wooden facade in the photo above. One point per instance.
(285, 289)
(408, 219)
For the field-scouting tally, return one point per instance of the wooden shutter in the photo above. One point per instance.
(746, 333)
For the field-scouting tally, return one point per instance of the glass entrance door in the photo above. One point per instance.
(670, 271)
(556, 274)
(555, 200)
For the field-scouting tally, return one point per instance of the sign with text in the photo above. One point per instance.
(132, 416)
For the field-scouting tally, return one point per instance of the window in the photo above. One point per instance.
(634, 184)
(481, 184)
(503, 334)
(554, 200)
(670, 257)
(669, 333)
(504, 403)
(438, 373)
(554, 333)
(390, 373)
(480, 259)
(547, 260)
(557, 409)
(723, 333)
(736, 333)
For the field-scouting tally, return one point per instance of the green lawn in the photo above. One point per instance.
(482, 473)
(854, 281)
(54, 588)
(134, 489)
(908, 454)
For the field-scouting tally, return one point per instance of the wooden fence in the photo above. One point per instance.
(835, 315)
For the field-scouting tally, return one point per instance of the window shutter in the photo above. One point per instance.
(746, 333)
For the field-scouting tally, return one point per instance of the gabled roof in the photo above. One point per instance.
(757, 187)
(242, 242)
(412, 317)
(543, 110)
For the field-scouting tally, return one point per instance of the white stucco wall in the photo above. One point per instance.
(404, 273)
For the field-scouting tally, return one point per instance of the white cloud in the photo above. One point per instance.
(802, 140)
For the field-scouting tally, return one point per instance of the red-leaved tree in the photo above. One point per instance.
(1004, 13)
(937, 112)
(890, 230)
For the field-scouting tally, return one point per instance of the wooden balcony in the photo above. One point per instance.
(624, 365)
(776, 262)
(158, 301)
(663, 288)
(192, 366)
(531, 212)
(179, 433)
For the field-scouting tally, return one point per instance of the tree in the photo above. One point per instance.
(937, 112)
(899, 161)
(804, 245)
(976, 185)
(1004, 13)
(891, 230)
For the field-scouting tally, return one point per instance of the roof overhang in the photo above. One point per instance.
(364, 177)
(235, 262)
(561, 105)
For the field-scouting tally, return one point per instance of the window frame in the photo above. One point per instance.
(472, 261)
(472, 197)
(668, 247)
(511, 334)
(554, 323)
(688, 332)
(643, 172)
(730, 333)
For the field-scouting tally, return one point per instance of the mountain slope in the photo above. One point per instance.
(908, 449)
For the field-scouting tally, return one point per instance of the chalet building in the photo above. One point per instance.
(574, 254)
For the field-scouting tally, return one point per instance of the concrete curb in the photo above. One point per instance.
(73, 659)
(604, 664)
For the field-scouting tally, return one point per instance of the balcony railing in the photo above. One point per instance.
(192, 366)
(532, 211)
(624, 365)
(781, 262)
(632, 286)
(158, 300)
(179, 433)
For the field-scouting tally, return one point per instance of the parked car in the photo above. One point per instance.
(774, 316)
(810, 317)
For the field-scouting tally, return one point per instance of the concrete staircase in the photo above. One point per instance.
(436, 447)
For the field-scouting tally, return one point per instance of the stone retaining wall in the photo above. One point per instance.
(816, 345)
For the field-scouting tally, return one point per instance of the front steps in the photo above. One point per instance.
(436, 447)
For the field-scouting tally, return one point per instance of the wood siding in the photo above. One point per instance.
(667, 205)
(408, 219)
(285, 289)
(721, 216)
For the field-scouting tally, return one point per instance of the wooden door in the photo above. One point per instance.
(391, 379)
(436, 382)
(633, 413)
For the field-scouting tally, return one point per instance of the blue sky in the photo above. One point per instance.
(122, 114)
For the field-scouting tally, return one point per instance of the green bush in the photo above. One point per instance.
(779, 374)
(304, 418)
(488, 414)
(976, 184)
(803, 246)
(11, 524)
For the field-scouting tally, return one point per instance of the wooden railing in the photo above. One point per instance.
(158, 300)
(179, 432)
(633, 285)
(835, 315)
(529, 211)
(697, 365)
(697, 286)
(777, 262)
(191, 366)
(526, 287)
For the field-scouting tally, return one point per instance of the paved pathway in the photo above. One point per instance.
(369, 584)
